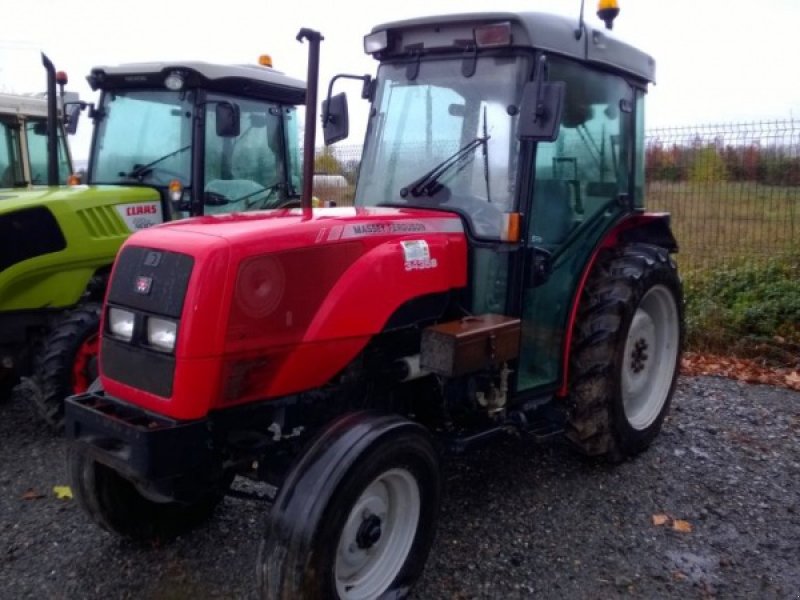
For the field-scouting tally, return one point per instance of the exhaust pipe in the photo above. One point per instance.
(52, 122)
(314, 38)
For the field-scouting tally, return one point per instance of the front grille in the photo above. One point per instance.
(168, 274)
(147, 282)
(138, 367)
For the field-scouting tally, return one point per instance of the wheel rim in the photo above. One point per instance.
(84, 368)
(651, 354)
(377, 536)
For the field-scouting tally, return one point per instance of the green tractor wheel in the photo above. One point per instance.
(625, 352)
(67, 364)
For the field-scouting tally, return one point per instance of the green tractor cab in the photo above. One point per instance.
(170, 140)
(23, 143)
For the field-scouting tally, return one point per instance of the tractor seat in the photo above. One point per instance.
(553, 217)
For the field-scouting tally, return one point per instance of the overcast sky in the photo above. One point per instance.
(716, 60)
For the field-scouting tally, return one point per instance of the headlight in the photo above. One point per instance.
(161, 333)
(120, 323)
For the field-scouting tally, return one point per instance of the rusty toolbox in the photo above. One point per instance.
(469, 344)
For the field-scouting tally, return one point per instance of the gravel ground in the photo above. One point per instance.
(518, 520)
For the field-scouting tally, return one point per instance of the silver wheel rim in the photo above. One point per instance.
(377, 536)
(651, 354)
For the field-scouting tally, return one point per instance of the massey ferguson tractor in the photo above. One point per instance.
(170, 140)
(498, 274)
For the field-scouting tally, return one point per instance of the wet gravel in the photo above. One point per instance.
(518, 520)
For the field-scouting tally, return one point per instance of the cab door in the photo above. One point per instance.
(582, 186)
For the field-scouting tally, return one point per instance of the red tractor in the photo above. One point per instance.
(497, 273)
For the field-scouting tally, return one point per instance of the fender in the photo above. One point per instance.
(313, 480)
(651, 228)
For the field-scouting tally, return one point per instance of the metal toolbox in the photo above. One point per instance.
(470, 344)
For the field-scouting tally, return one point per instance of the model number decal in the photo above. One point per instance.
(140, 215)
(417, 255)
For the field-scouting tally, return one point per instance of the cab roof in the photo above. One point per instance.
(22, 105)
(246, 80)
(552, 33)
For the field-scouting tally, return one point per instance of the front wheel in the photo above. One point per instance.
(625, 353)
(115, 504)
(356, 517)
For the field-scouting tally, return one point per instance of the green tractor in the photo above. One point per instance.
(24, 143)
(170, 140)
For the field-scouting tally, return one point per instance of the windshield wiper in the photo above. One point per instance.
(428, 184)
(140, 170)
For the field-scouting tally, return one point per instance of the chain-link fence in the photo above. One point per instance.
(733, 190)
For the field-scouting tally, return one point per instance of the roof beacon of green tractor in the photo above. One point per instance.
(170, 140)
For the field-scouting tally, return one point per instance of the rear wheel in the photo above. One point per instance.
(116, 505)
(626, 352)
(356, 518)
(68, 363)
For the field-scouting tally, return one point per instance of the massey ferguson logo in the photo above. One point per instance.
(140, 209)
(143, 285)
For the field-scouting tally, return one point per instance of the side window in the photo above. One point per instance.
(245, 172)
(581, 174)
(10, 164)
(36, 135)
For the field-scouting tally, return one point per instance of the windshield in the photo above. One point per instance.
(144, 136)
(445, 140)
(248, 171)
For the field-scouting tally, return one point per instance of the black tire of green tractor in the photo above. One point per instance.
(114, 503)
(53, 369)
(609, 354)
(307, 536)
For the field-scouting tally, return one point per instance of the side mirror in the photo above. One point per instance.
(540, 110)
(335, 120)
(72, 114)
(228, 119)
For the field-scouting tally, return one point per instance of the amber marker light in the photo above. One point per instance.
(175, 190)
(265, 60)
(510, 232)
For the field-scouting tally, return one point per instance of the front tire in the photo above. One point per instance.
(356, 517)
(116, 505)
(625, 354)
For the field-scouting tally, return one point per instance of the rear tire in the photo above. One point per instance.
(357, 524)
(116, 505)
(68, 363)
(625, 353)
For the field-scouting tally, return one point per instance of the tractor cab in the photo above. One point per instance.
(528, 126)
(210, 138)
(23, 142)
